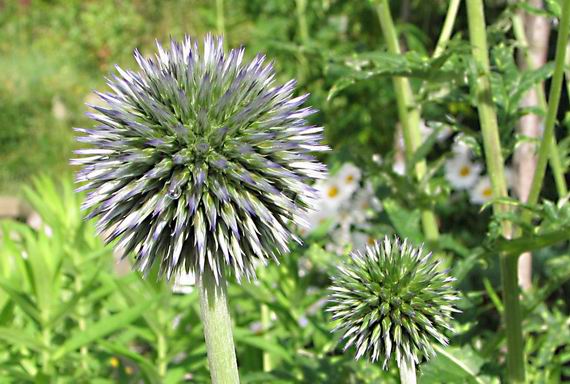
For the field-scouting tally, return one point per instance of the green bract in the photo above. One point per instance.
(199, 160)
(392, 300)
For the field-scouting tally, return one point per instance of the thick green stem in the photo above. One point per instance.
(553, 102)
(407, 372)
(555, 164)
(445, 34)
(495, 168)
(409, 114)
(217, 324)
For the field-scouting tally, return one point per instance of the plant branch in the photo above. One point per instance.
(445, 34)
(554, 157)
(409, 114)
(495, 167)
(553, 102)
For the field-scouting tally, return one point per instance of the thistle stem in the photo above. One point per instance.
(495, 167)
(409, 114)
(546, 144)
(217, 323)
(407, 371)
(555, 165)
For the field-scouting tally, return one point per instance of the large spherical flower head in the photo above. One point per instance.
(392, 301)
(199, 159)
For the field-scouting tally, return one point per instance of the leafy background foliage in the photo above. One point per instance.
(66, 315)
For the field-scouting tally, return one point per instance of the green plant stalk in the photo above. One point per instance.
(46, 355)
(215, 315)
(555, 165)
(303, 30)
(82, 325)
(161, 352)
(495, 168)
(408, 113)
(553, 102)
(568, 70)
(220, 19)
(408, 372)
(447, 28)
(265, 323)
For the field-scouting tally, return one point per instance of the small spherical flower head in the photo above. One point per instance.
(391, 300)
(200, 160)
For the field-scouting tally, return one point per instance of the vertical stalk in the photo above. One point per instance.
(265, 322)
(220, 20)
(555, 165)
(161, 351)
(553, 102)
(407, 371)
(303, 31)
(495, 167)
(82, 325)
(447, 28)
(408, 113)
(217, 323)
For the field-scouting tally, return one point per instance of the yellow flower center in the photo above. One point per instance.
(464, 171)
(349, 179)
(114, 362)
(370, 241)
(488, 192)
(332, 192)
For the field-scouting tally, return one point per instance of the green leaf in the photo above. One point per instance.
(22, 300)
(532, 242)
(406, 223)
(103, 328)
(246, 337)
(20, 338)
(453, 365)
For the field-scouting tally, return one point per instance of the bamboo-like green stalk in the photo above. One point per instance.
(408, 113)
(408, 372)
(553, 101)
(495, 168)
(217, 323)
(555, 165)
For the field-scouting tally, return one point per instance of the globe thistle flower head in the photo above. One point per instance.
(391, 301)
(199, 160)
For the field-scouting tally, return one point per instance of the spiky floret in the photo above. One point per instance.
(199, 159)
(392, 301)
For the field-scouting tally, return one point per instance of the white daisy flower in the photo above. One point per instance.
(332, 192)
(461, 172)
(482, 192)
(349, 176)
